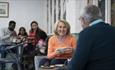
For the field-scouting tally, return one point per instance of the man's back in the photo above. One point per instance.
(96, 49)
(102, 47)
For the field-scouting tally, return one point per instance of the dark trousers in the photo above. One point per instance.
(47, 62)
(3, 55)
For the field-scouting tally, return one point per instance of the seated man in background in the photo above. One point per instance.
(7, 36)
(96, 43)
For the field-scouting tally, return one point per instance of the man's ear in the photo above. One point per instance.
(85, 23)
(83, 20)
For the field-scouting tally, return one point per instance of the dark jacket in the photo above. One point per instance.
(95, 49)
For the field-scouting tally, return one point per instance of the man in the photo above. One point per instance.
(7, 34)
(96, 43)
(6, 38)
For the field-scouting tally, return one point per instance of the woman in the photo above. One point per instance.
(36, 34)
(61, 45)
(36, 37)
(22, 35)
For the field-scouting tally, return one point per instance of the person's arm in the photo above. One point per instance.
(51, 51)
(72, 47)
(74, 44)
(4, 36)
(14, 34)
(51, 54)
(81, 54)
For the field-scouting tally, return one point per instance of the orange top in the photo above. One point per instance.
(54, 43)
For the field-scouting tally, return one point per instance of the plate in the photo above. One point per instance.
(59, 65)
(48, 67)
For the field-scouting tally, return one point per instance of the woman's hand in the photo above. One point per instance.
(69, 50)
(59, 51)
(64, 50)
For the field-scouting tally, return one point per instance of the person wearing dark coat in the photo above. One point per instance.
(96, 44)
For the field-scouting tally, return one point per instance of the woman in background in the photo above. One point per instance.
(36, 38)
(22, 35)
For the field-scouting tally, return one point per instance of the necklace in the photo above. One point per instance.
(61, 39)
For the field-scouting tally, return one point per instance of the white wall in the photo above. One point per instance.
(24, 12)
(73, 9)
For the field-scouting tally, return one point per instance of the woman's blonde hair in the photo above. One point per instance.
(66, 24)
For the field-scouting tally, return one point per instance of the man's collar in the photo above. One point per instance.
(96, 22)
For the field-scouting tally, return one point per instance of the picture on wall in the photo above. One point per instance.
(4, 9)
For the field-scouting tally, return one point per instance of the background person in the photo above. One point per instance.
(8, 34)
(22, 35)
(7, 37)
(36, 37)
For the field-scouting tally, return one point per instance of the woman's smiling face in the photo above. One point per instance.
(61, 29)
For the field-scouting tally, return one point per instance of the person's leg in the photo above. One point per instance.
(44, 62)
(36, 62)
(3, 55)
(10, 55)
(58, 61)
(40, 60)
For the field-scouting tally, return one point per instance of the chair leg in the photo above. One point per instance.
(3, 66)
(19, 66)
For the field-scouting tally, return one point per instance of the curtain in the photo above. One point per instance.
(56, 10)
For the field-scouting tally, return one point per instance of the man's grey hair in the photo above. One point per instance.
(91, 13)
